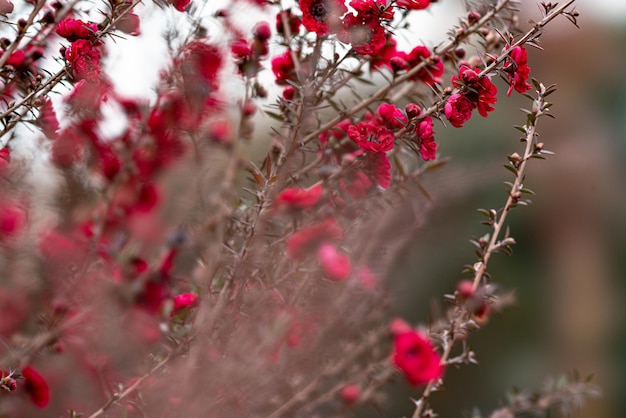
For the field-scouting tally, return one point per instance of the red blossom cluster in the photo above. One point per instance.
(477, 92)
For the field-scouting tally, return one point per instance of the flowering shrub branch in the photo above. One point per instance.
(152, 263)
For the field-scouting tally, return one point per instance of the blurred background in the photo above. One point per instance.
(570, 259)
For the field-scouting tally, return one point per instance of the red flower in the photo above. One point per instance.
(413, 4)
(36, 387)
(517, 70)
(203, 60)
(458, 110)
(5, 159)
(336, 266)
(181, 5)
(391, 116)
(310, 238)
(426, 139)
(296, 198)
(16, 59)
(371, 137)
(431, 74)
(184, 301)
(48, 119)
(416, 357)
(12, 219)
(283, 67)
(74, 29)
(480, 91)
(384, 55)
(84, 58)
(322, 16)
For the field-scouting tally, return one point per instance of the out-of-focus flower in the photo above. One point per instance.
(75, 29)
(335, 265)
(309, 239)
(416, 357)
(36, 387)
(297, 198)
(84, 57)
(184, 301)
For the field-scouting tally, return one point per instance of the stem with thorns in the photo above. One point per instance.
(540, 108)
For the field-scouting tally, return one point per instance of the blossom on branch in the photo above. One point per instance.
(415, 355)
(84, 58)
(322, 16)
(476, 93)
(74, 29)
(517, 70)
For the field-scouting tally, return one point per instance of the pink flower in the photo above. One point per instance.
(6, 7)
(458, 110)
(84, 58)
(416, 357)
(336, 266)
(322, 16)
(350, 394)
(517, 70)
(36, 387)
(184, 301)
(12, 219)
(297, 198)
(74, 29)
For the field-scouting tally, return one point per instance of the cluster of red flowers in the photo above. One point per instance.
(83, 53)
(248, 55)
(476, 93)
(365, 31)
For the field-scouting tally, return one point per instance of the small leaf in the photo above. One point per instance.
(273, 115)
(510, 168)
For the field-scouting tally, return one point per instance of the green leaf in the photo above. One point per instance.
(510, 168)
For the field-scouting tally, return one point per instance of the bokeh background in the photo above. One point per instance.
(569, 264)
